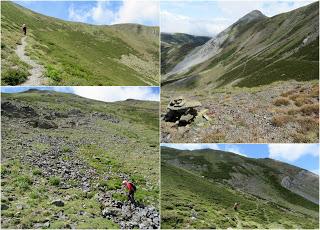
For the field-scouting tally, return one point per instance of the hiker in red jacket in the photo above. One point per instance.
(131, 188)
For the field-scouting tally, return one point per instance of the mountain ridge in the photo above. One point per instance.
(269, 41)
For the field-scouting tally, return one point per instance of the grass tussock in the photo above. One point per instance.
(303, 110)
(281, 120)
(281, 101)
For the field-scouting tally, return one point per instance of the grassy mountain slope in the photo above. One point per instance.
(175, 46)
(196, 193)
(80, 54)
(62, 146)
(260, 52)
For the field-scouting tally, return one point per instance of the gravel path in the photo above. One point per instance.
(37, 70)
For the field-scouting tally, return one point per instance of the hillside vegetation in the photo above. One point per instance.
(77, 53)
(64, 158)
(200, 187)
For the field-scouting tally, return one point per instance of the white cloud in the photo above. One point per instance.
(282, 7)
(130, 11)
(137, 12)
(115, 93)
(100, 13)
(175, 23)
(191, 146)
(234, 149)
(292, 152)
(78, 15)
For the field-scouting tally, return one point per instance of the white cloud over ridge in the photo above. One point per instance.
(292, 152)
(224, 13)
(130, 11)
(116, 93)
(175, 23)
(234, 149)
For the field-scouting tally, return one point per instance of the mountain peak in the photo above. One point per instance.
(253, 15)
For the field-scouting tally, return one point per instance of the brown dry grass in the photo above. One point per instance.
(281, 120)
(281, 101)
(309, 110)
(217, 137)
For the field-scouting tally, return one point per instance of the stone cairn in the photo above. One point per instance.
(181, 111)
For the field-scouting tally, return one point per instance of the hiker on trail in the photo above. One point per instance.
(132, 189)
(236, 206)
(24, 29)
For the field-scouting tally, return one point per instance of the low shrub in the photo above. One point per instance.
(53, 73)
(14, 76)
(55, 181)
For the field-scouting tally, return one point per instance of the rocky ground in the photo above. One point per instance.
(277, 113)
(63, 168)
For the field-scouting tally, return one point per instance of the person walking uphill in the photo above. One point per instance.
(132, 189)
(24, 29)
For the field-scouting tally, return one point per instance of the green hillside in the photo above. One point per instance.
(195, 194)
(79, 54)
(59, 146)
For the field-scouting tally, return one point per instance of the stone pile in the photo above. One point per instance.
(181, 111)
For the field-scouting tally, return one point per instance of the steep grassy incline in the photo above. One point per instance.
(58, 146)
(175, 46)
(77, 53)
(196, 193)
(260, 52)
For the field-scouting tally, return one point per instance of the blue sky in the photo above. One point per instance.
(99, 12)
(101, 93)
(305, 156)
(211, 17)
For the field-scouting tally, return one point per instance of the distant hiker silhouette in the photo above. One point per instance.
(236, 206)
(132, 189)
(24, 29)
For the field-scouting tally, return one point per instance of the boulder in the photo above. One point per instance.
(43, 124)
(58, 203)
(110, 212)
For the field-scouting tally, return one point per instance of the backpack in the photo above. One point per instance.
(134, 187)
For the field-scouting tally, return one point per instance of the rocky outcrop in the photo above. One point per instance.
(11, 110)
(43, 124)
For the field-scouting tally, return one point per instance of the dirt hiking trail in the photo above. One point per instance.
(37, 70)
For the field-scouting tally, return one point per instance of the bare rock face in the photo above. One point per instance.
(181, 111)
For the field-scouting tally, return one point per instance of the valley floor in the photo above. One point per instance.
(276, 113)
